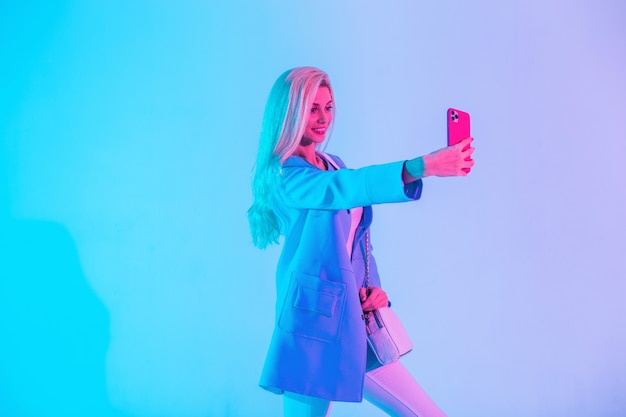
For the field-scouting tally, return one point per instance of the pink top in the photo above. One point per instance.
(356, 214)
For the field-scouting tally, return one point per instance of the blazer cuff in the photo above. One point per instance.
(413, 190)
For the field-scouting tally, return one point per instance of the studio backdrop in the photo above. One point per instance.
(129, 285)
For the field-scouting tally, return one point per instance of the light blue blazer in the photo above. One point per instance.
(318, 347)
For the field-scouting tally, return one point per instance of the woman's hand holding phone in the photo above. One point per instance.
(451, 161)
(455, 160)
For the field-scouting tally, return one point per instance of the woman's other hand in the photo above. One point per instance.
(455, 160)
(373, 298)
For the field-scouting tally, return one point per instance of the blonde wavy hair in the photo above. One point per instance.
(286, 114)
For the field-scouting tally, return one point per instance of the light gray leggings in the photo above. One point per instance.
(390, 388)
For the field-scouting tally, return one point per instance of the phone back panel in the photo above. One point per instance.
(458, 126)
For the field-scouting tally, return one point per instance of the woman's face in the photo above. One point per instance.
(320, 117)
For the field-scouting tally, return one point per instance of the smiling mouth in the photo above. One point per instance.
(319, 130)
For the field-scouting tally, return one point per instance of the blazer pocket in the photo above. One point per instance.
(313, 308)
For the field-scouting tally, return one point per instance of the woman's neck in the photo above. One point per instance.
(308, 154)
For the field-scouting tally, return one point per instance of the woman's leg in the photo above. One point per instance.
(296, 405)
(392, 389)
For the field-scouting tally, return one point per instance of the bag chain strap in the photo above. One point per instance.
(367, 259)
(366, 316)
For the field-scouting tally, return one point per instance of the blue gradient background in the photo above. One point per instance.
(128, 283)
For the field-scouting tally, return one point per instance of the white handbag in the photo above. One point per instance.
(386, 335)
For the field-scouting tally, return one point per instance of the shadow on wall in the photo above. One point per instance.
(55, 330)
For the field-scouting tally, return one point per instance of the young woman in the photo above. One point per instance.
(318, 351)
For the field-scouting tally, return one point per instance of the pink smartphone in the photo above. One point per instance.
(458, 126)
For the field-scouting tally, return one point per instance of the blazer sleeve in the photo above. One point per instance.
(304, 186)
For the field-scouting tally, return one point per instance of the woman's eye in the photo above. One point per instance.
(329, 108)
(314, 109)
